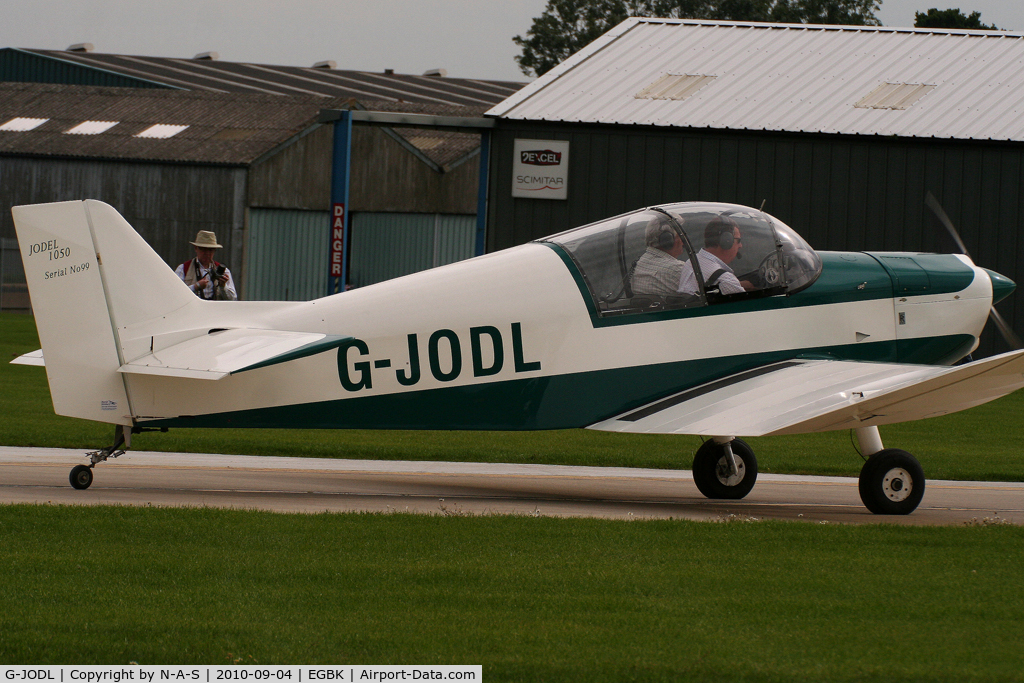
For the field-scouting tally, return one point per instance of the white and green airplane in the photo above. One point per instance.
(567, 331)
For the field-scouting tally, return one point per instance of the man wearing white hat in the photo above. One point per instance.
(204, 276)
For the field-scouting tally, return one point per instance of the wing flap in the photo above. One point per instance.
(30, 358)
(219, 354)
(803, 396)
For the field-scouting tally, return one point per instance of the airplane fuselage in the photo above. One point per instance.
(513, 341)
(691, 318)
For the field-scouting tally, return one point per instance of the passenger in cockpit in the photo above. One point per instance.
(722, 242)
(658, 270)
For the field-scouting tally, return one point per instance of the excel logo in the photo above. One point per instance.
(540, 157)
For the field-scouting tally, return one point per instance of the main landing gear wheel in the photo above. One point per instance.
(892, 483)
(712, 471)
(81, 476)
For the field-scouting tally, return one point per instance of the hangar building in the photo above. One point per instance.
(840, 131)
(242, 153)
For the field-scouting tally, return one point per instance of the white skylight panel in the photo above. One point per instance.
(895, 96)
(161, 130)
(91, 127)
(674, 87)
(22, 125)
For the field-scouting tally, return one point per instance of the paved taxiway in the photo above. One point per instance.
(40, 475)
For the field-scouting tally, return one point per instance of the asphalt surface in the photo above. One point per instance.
(310, 485)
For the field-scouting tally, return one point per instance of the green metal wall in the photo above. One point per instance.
(389, 245)
(288, 249)
(839, 192)
(287, 255)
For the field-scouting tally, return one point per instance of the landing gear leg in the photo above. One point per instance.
(81, 475)
(891, 481)
(725, 467)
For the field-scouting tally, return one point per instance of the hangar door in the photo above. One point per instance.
(286, 255)
(288, 249)
(388, 245)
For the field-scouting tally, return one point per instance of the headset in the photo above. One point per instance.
(719, 233)
(663, 237)
(666, 238)
(727, 239)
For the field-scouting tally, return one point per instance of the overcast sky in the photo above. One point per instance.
(469, 38)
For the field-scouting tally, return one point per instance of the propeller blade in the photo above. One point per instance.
(932, 203)
(1009, 336)
(1005, 331)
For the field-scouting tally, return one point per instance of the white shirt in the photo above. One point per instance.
(727, 282)
(201, 272)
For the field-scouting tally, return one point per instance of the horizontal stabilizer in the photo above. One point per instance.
(31, 358)
(802, 396)
(225, 352)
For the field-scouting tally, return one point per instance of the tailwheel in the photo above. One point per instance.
(717, 475)
(891, 483)
(81, 477)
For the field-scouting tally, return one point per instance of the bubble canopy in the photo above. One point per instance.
(687, 255)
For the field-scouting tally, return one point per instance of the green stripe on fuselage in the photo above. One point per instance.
(925, 274)
(556, 402)
(845, 277)
(326, 344)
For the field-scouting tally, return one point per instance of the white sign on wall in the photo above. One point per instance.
(541, 169)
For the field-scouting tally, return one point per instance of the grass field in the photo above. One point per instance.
(986, 443)
(531, 599)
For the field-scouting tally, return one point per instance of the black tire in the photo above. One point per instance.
(81, 477)
(711, 467)
(891, 483)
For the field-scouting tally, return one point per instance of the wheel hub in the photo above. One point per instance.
(722, 471)
(897, 484)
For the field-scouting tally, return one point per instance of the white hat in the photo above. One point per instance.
(206, 240)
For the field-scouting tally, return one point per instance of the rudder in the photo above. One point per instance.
(90, 275)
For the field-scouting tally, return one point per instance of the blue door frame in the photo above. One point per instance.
(341, 169)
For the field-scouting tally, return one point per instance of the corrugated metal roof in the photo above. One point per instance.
(216, 76)
(221, 128)
(782, 77)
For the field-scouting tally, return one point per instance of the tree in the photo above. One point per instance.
(949, 18)
(566, 26)
(842, 12)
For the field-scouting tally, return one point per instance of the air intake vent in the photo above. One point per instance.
(674, 87)
(895, 96)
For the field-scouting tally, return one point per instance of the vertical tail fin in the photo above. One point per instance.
(90, 275)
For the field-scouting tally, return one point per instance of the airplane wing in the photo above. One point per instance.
(227, 352)
(801, 396)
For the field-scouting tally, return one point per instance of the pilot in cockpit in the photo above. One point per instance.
(658, 270)
(722, 242)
